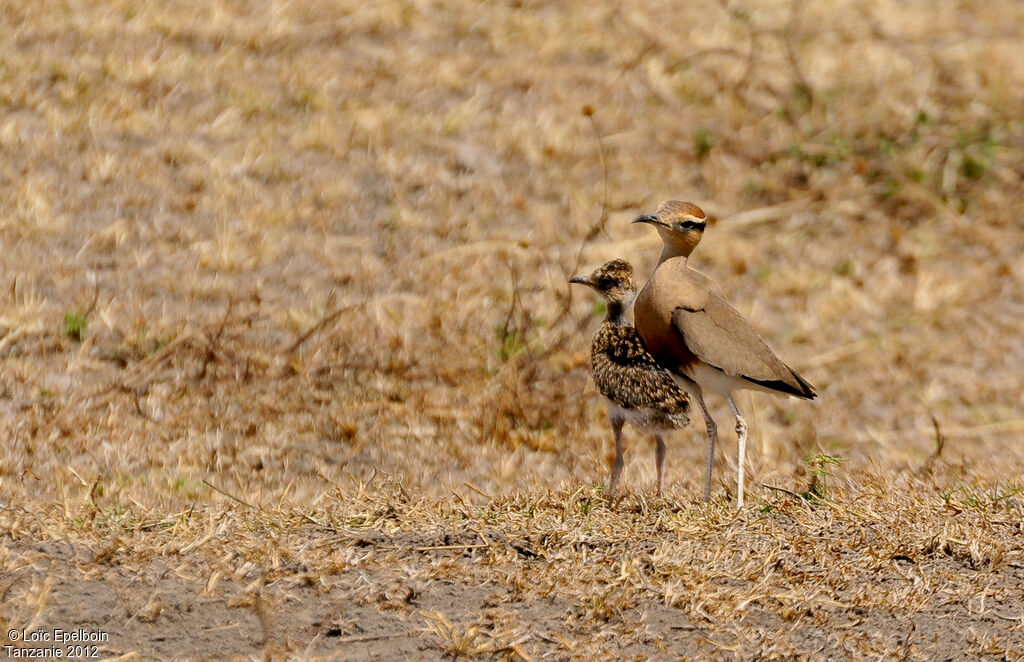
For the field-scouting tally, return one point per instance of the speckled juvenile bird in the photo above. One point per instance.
(691, 330)
(638, 390)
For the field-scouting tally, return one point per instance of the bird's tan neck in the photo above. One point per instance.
(673, 251)
(673, 263)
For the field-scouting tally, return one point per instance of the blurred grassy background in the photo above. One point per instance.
(274, 245)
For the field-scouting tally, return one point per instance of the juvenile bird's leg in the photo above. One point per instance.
(659, 459)
(616, 422)
(741, 434)
(712, 440)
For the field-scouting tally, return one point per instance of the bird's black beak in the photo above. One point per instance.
(579, 280)
(647, 218)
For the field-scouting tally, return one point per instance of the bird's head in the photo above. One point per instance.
(613, 280)
(680, 224)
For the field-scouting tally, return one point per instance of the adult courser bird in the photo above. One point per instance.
(692, 331)
(638, 390)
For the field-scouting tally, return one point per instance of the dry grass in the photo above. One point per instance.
(285, 325)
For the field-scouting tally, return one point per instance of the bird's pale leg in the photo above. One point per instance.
(617, 467)
(712, 440)
(741, 434)
(659, 459)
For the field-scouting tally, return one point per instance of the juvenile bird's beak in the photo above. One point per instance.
(647, 218)
(579, 280)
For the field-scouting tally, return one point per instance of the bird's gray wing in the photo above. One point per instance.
(719, 336)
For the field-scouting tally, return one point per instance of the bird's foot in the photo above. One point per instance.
(741, 427)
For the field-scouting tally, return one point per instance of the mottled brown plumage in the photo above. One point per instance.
(630, 378)
(638, 390)
(691, 330)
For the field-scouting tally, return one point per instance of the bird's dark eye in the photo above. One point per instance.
(605, 283)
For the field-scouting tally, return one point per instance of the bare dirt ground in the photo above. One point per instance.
(290, 366)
